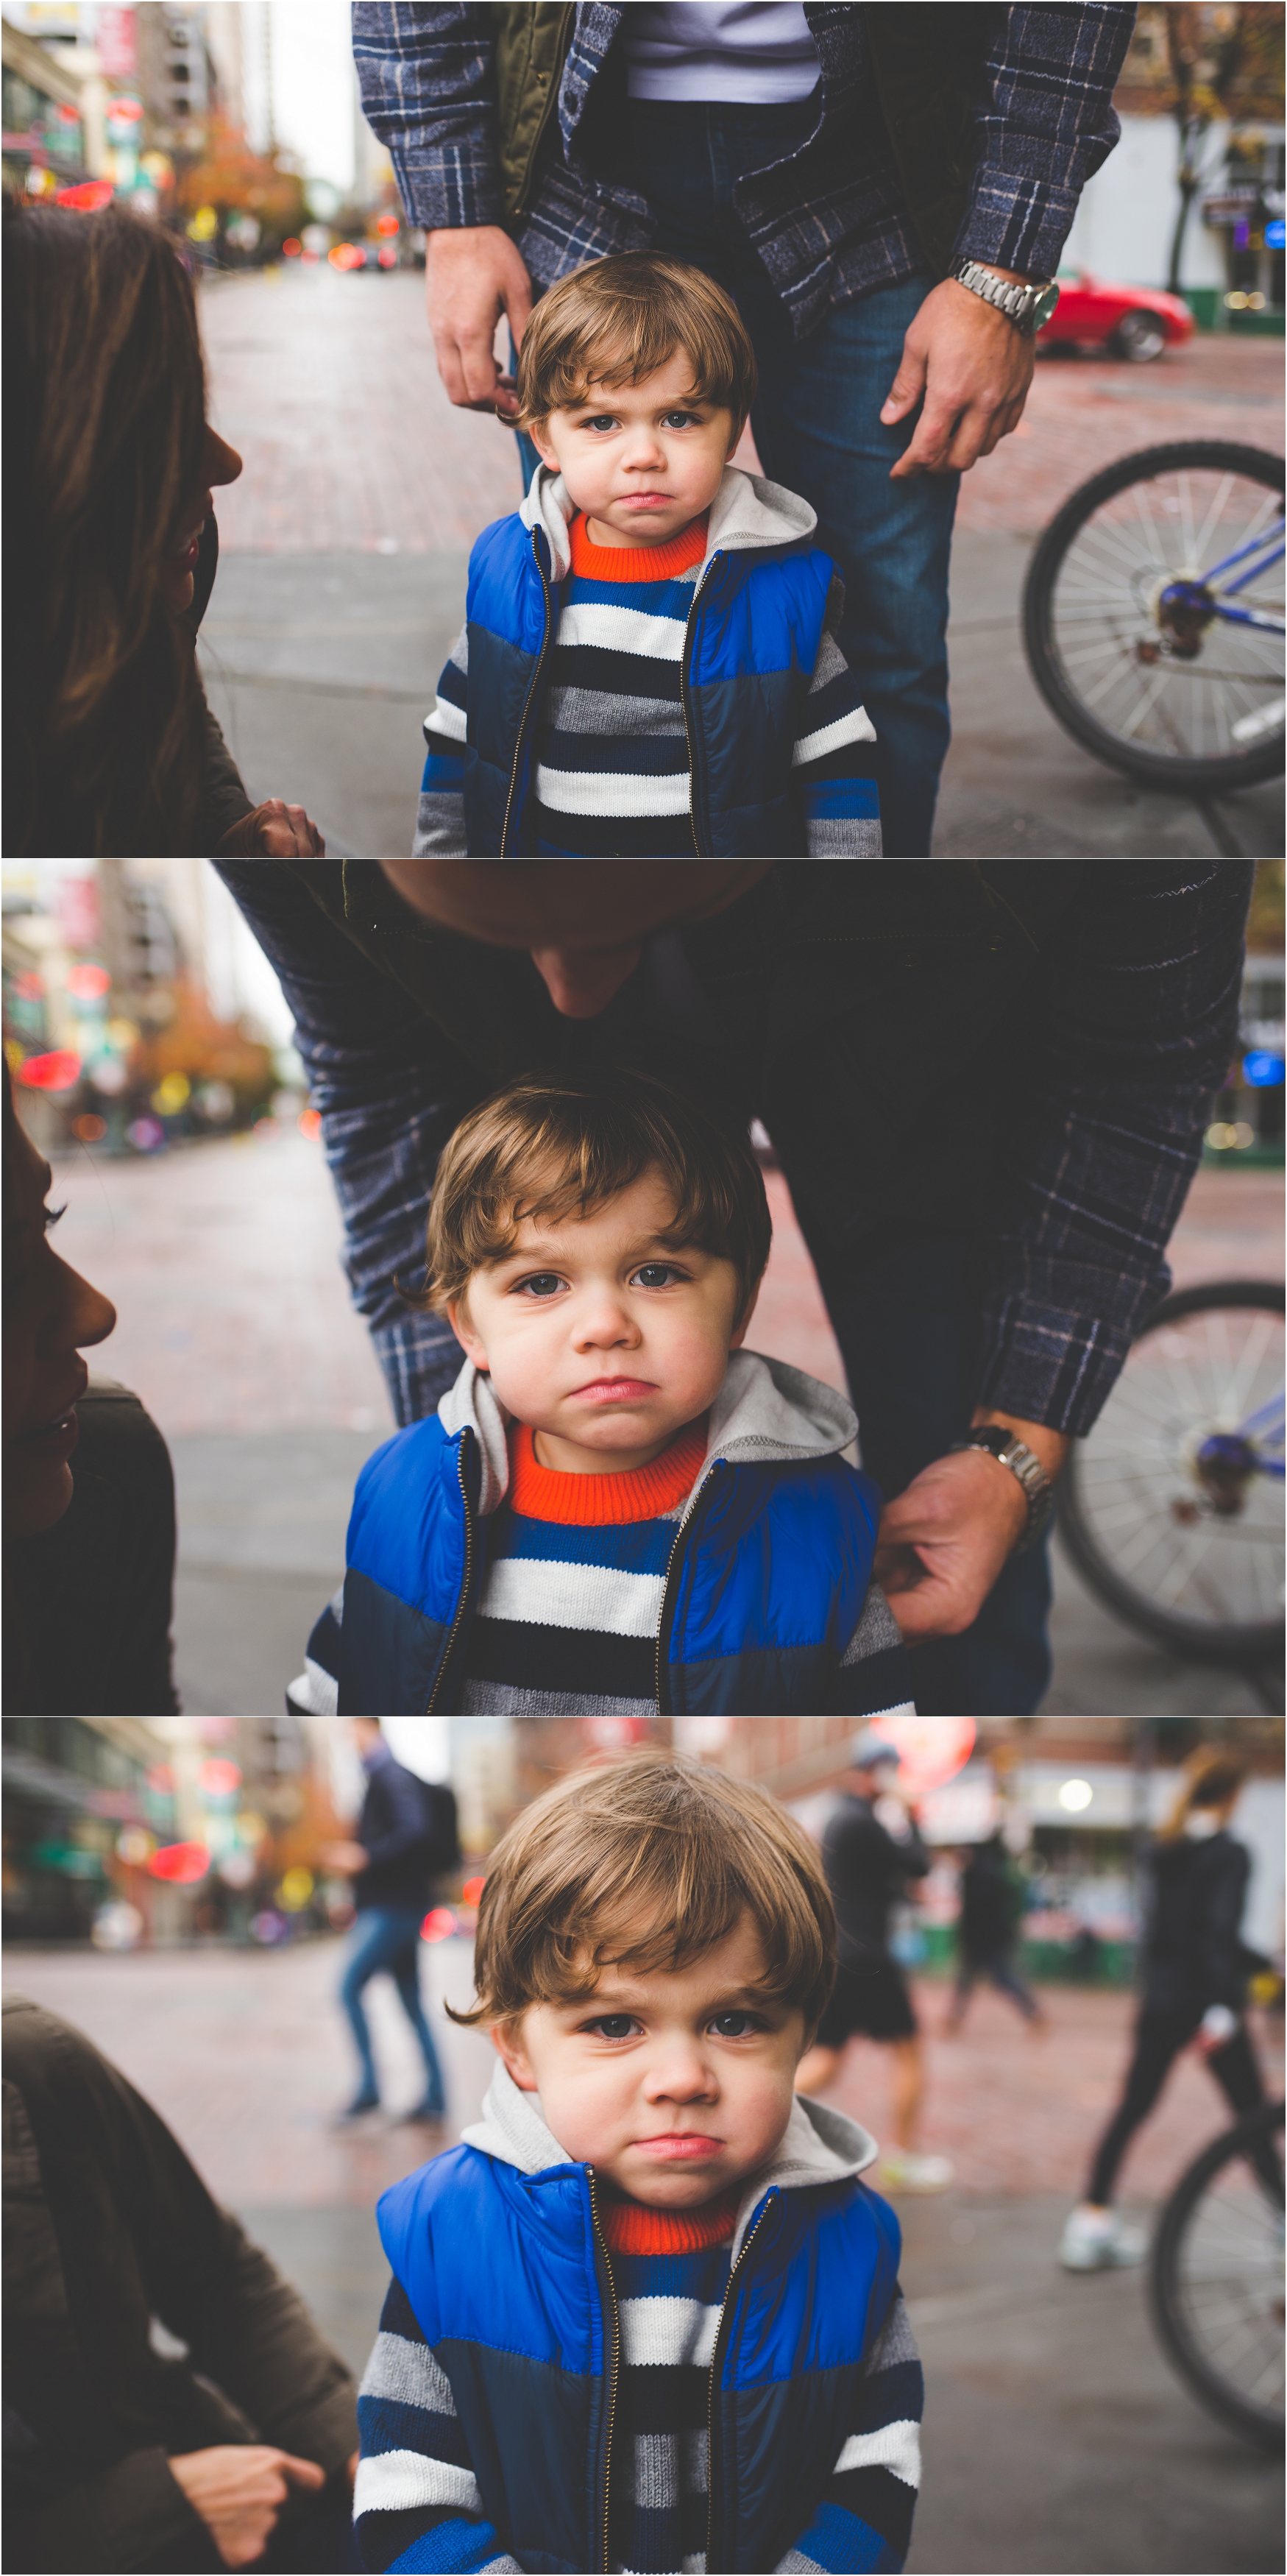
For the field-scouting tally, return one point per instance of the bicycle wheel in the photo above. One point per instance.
(1216, 2278)
(1153, 616)
(1172, 1507)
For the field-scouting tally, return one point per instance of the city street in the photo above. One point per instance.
(1056, 2437)
(344, 546)
(236, 1331)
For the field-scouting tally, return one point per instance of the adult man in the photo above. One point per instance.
(885, 191)
(169, 2403)
(870, 1861)
(987, 1086)
(390, 1865)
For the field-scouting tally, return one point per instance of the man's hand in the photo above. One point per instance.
(274, 831)
(238, 2489)
(944, 1540)
(973, 368)
(345, 1858)
(473, 274)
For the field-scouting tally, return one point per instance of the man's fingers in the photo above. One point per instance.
(931, 447)
(306, 2473)
(906, 389)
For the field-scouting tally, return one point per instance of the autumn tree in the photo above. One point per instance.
(1222, 63)
(235, 180)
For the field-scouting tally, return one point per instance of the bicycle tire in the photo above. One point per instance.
(1261, 2426)
(1233, 1643)
(1149, 769)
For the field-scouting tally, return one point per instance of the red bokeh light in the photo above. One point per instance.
(160, 1780)
(472, 1890)
(220, 1779)
(59, 1071)
(29, 986)
(387, 225)
(91, 1130)
(439, 1924)
(88, 198)
(386, 256)
(309, 1123)
(346, 255)
(180, 1864)
(88, 983)
(933, 1749)
(292, 249)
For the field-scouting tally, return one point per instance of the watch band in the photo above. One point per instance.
(1026, 306)
(1007, 1448)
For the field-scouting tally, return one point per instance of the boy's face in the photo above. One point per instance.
(642, 460)
(673, 2085)
(601, 1338)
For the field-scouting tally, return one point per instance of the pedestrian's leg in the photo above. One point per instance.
(818, 2068)
(367, 1955)
(909, 2090)
(1158, 2041)
(961, 1993)
(406, 1977)
(1237, 2072)
(1007, 1980)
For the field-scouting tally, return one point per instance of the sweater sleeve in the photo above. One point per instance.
(416, 2503)
(874, 1675)
(440, 823)
(834, 759)
(864, 2515)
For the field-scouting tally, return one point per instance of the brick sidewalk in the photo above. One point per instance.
(328, 386)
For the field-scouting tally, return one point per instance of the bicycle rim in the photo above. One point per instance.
(1217, 2282)
(1199, 712)
(1135, 1512)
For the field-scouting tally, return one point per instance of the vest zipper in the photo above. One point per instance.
(716, 2357)
(463, 1603)
(685, 698)
(615, 2366)
(505, 851)
(667, 1595)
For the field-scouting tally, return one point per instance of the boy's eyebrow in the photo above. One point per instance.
(614, 1998)
(545, 1247)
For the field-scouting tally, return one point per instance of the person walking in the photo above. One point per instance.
(391, 1865)
(986, 1932)
(1195, 1972)
(870, 1861)
(884, 192)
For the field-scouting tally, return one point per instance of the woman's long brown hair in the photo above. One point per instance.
(105, 430)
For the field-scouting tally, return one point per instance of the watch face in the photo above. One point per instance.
(1044, 306)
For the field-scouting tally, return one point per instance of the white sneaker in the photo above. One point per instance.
(902, 2170)
(1097, 2240)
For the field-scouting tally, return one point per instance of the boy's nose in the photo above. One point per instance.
(684, 2077)
(608, 1324)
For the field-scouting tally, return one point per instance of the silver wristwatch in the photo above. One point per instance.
(1014, 1453)
(1026, 306)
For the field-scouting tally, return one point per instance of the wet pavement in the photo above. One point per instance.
(1056, 2437)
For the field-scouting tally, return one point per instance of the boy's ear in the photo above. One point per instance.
(537, 432)
(507, 2041)
(745, 1325)
(458, 1318)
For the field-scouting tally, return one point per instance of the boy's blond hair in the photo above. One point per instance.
(646, 1863)
(544, 1149)
(618, 321)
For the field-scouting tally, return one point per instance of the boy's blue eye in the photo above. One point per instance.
(680, 420)
(601, 420)
(613, 2025)
(655, 1274)
(747, 2020)
(542, 1283)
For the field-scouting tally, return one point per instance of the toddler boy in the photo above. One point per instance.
(616, 1508)
(645, 2316)
(648, 665)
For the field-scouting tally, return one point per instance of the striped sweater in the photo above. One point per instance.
(418, 2505)
(613, 764)
(570, 1606)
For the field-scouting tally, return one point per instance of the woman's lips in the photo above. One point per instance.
(55, 1439)
(616, 1390)
(679, 2148)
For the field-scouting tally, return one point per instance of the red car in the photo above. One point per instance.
(1133, 321)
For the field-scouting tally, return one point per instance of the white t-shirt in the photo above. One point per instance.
(756, 54)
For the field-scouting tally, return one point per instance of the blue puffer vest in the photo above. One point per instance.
(507, 2274)
(753, 636)
(765, 1587)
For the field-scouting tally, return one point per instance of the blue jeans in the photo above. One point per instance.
(817, 426)
(386, 1937)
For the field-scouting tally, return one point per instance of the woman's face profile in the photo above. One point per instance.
(50, 1313)
(219, 464)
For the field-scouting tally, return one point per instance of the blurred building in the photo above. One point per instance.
(55, 100)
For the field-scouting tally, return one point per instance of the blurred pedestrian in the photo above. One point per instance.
(987, 1930)
(870, 1861)
(406, 1835)
(1053, 1031)
(885, 193)
(89, 1553)
(169, 2403)
(112, 549)
(1194, 1970)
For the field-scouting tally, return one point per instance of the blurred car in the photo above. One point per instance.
(1136, 322)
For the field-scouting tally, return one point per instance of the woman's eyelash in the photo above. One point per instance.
(52, 1215)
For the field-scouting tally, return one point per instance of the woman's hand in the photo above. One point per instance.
(273, 831)
(237, 2489)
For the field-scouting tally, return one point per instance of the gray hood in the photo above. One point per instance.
(818, 2146)
(747, 511)
(764, 1411)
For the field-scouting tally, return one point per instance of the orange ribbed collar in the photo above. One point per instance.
(637, 563)
(599, 1502)
(630, 2228)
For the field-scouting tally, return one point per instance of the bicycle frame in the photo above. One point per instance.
(1267, 549)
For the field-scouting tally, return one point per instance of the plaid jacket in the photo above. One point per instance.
(829, 224)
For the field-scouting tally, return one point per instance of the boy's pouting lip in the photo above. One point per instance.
(673, 2085)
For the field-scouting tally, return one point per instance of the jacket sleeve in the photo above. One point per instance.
(416, 2502)
(1043, 125)
(874, 1675)
(1137, 1035)
(134, 2514)
(428, 90)
(223, 796)
(834, 758)
(864, 2515)
(440, 823)
(406, 1829)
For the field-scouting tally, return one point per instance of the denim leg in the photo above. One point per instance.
(368, 1953)
(405, 1971)
(390, 1090)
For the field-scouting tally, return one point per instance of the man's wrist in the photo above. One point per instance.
(1050, 1447)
